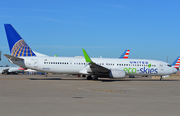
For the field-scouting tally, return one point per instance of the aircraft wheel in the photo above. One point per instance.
(161, 79)
(95, 78)
(89, 77)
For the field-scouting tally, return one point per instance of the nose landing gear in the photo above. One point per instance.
(161, 79)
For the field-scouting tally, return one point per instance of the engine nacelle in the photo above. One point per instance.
(116, 73)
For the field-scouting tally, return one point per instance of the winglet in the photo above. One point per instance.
(86, 56)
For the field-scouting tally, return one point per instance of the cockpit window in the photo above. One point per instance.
(169, 65)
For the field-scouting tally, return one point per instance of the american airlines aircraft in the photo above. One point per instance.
(176, 63)
(24, 56)
(125, 54)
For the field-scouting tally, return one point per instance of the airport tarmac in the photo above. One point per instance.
(59, 95)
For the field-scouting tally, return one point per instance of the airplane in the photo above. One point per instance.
(14, 70)
(10, 70)
(125, 54)
(3, 69)
(94, 68)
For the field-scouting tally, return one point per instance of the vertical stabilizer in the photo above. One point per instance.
(125, 54)
(176, 63)
(17, 45)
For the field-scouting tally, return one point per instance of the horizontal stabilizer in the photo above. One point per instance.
(12, 57)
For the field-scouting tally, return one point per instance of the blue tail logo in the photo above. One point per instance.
(17, 45)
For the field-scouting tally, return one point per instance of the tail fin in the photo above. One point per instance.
(17, 45)
(125, 54)
(176, 63)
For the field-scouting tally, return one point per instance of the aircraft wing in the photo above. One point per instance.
(12, 57)
(96, 68)
(6, 69)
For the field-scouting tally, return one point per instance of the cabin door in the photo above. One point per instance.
(35, 63)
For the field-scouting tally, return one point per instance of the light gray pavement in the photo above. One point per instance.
(57, 95)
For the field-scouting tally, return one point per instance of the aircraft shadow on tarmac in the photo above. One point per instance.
(135, 80)
(44, 78)
(102, 80)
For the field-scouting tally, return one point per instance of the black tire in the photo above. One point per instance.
(89, 77)
(161, 79)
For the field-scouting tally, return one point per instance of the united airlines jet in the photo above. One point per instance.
(94, 68)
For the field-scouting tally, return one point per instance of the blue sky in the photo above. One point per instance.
(149, 28)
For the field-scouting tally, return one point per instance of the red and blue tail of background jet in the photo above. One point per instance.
(176, 63)
(125, 54)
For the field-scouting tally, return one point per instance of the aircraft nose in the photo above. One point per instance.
(174, 69)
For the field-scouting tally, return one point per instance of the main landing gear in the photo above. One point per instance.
(161, 79)
(92, 78)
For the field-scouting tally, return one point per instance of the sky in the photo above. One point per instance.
(149, 28)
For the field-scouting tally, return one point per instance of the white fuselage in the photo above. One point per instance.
(73, 65)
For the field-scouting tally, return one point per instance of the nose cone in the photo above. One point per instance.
(174, 70)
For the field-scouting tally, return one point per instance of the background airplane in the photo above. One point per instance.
(11, 70)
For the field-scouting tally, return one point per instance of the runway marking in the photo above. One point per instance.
(77, 97)
(83, 89)
(109, 91)
(118, 91)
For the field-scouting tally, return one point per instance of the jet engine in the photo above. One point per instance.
(116, 73)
